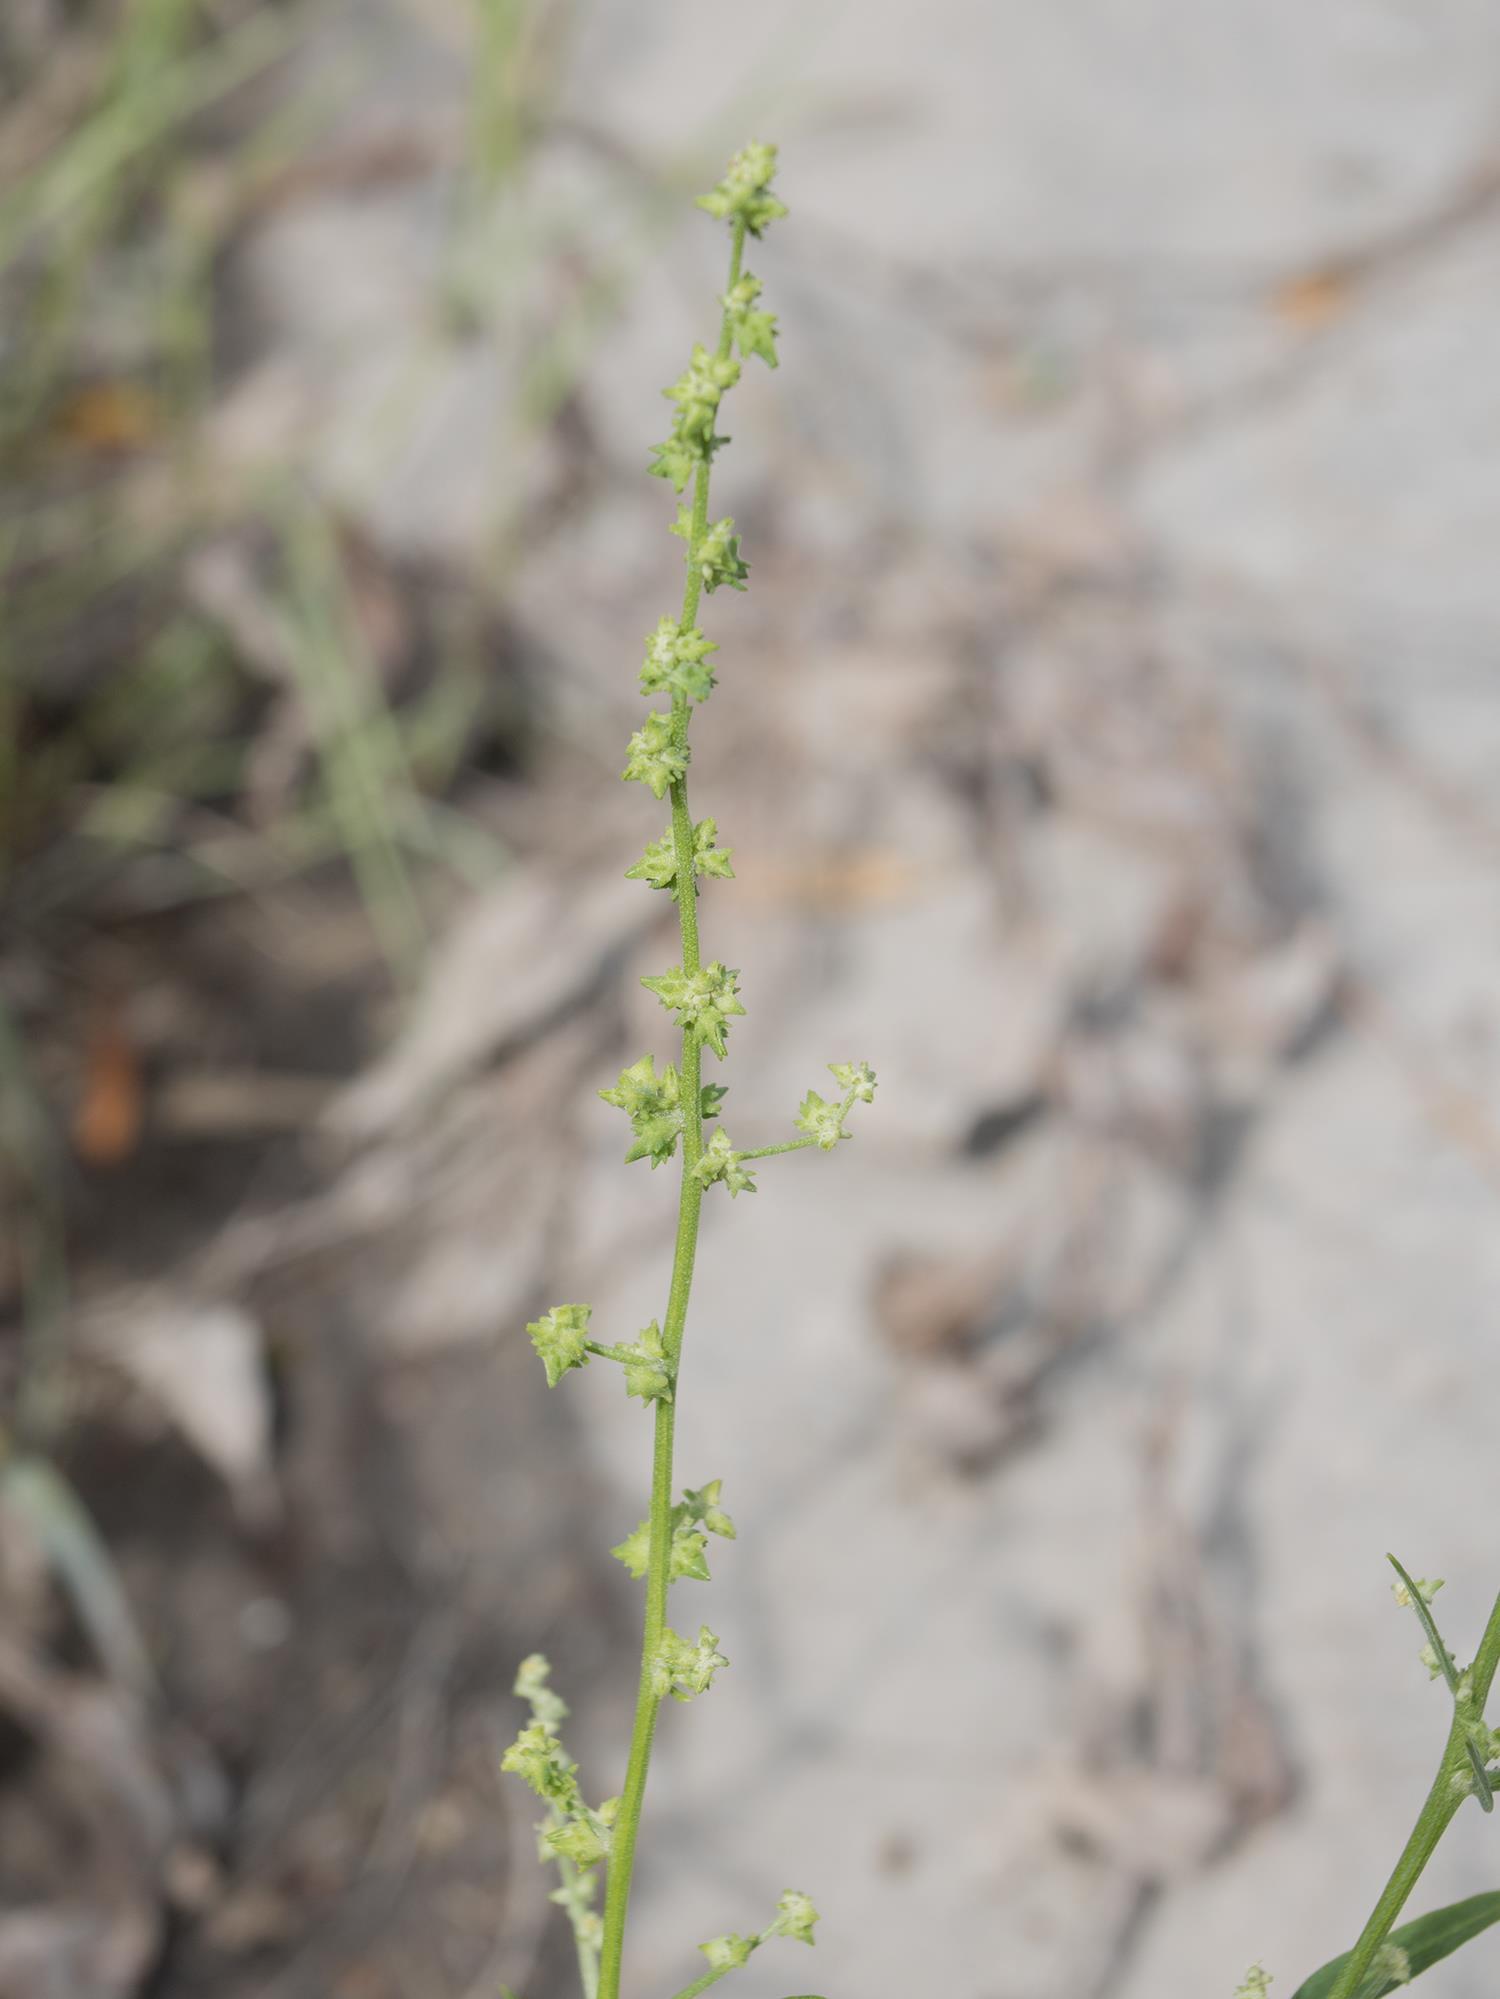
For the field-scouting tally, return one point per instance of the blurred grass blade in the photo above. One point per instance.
(71, 1545)
(145, 112)
(1427, 1941)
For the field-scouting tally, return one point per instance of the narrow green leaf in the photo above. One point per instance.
(1426, 1942)
(1434, 1636)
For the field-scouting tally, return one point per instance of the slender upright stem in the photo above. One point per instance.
(690, 1200)
(1443, 1800)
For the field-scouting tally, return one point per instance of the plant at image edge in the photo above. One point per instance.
(1384, 1957)
(667, 1110)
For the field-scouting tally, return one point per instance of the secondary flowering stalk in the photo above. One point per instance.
(667, 1109)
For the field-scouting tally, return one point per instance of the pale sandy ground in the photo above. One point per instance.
(1108, 1696)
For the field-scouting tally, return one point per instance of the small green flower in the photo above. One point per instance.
(716, 556)
(1256, 1984)
(856, 1079)
(753, 332)
(729, 1952)
(538, 1759)
(711, 1096)
(795, 1917)
(742, 194)
(703, 1001)
(653, 758)
(578, 1841)
(652, 1104)
(676, 662)
(559, 1339)
(697, 393)
(531, 1684)
(646, 1372)
(682, 1668)
(640, 1092)
(1425, 1589)
(674, 460)
(703, 1507)
(822, 1122)
(658, 865)
(688, 1558)
(719, 1161)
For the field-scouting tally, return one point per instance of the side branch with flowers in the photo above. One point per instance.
(667, 1109)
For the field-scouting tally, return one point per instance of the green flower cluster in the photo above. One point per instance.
(703, 1001)
(714, 554)
(654, 1105)
(561, 1339)
(719, 1161)
(696, 1515)
(653, 757)
(795, 1917)
(743, 194)
(675, 661)
(752, 332)
(658, 865)
(648, 1372)
(684, 1667)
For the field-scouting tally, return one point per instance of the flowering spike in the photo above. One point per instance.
(670, 1111)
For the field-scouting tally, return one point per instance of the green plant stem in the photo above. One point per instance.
(1443, 1801)
(588, 1953)
(702, 1984)
(690, 1201)
(773, 1151)
(622, 1354)
(794, 1144)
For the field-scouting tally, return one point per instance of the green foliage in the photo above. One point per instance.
(667, 1108)
(1413, 1948)
(1383, 1956)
